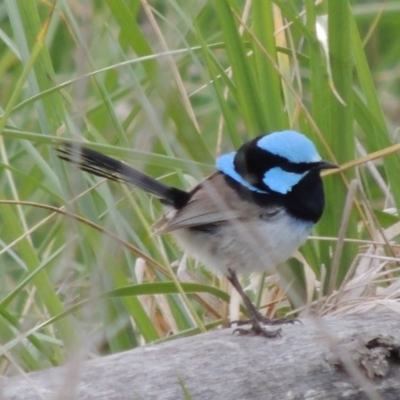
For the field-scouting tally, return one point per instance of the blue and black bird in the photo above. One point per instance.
(250, 215)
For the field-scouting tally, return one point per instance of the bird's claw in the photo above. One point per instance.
(257, 330)
(266, 321)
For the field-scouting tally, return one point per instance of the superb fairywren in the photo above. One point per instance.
(250, 215)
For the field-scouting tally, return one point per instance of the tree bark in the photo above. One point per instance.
(336, 357)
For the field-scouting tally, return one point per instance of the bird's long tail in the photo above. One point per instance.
(106, 167)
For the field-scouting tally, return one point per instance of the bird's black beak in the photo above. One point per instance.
(327, 165)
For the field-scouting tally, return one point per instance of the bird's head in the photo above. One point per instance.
(273, 163)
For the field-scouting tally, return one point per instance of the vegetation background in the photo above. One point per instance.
(167, 86)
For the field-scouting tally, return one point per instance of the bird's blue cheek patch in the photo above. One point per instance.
(226, 165)
(281, 181)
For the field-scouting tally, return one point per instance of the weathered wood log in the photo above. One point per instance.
(338, 357)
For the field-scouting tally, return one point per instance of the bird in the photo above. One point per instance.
(250, 215)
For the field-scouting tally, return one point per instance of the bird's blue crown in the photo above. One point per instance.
(272, 163)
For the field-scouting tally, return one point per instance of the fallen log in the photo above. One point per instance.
(334, 357)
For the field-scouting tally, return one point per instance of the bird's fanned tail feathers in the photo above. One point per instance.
(106, 167)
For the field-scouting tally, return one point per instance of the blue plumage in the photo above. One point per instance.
(225, 164)
(285, 150)
(281, 181)
(293, 146)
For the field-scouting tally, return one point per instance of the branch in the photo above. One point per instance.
(337, 357)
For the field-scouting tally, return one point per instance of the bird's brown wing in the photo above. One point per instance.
(212, 202)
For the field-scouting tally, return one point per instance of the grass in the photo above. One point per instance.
(167, 86)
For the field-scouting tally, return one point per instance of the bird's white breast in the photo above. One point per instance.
(251, 245)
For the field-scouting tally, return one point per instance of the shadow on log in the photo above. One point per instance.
(339, 357)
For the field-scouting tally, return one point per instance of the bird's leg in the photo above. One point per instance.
(256, 319)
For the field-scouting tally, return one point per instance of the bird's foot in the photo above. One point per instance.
(257, 329)
(266, 321)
